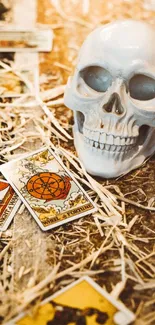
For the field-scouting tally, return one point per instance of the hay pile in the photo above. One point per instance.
(116, 245)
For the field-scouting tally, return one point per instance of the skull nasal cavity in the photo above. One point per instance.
(114, 105)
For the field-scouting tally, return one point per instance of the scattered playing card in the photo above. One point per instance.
(9, 204)
(14, 39)
(81, 303)
(47, 188)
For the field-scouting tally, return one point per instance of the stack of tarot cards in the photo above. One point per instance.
(18, 50)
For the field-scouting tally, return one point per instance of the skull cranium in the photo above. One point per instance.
(112, 94)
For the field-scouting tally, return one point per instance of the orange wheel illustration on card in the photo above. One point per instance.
(3, 186)
(49, 186)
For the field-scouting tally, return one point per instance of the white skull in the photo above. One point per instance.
(112, 94)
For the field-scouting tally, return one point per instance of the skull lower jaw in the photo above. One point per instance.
(109, 164)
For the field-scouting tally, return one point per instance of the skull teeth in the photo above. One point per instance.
(102, 140)
(107, 147)
(96, 139)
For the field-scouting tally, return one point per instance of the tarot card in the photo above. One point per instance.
(47, 188)
(9, 204)
(12, 86)
(14, 39)
(16, 83)
(81, 303)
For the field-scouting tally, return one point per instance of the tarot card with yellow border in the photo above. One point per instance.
(81, 303)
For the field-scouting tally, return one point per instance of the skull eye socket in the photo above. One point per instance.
(142, 87)
(97, 78)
